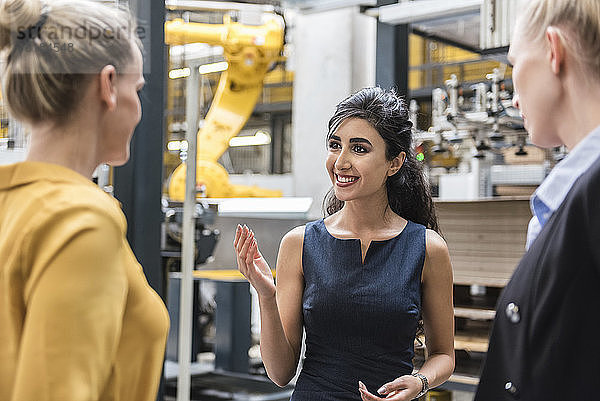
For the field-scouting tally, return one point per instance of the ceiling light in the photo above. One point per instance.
(260, 138)
(177, 146)
(179, 73)
(213, 67)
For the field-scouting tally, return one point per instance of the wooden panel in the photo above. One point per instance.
(475, 314)
(522, 190)
(464, 379)
(470, 343)
(485, 279)
(486, 239)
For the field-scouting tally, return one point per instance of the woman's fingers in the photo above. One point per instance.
(365, 394)
(243, 233)
(250, 253)
(256, 253)
(394, 385)
(241, 236)
(247, 250)
(252, 250)
(401, 383)
(246, 242)
(247, 254)
(392, 395)
(236, 239)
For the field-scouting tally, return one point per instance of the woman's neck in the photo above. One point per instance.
(72, 146)
(369, 215)
(581, 116)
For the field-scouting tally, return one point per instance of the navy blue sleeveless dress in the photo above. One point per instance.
(360, 318)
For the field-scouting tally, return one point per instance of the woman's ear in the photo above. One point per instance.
(397, 163)
(556, 47)
(108, 88)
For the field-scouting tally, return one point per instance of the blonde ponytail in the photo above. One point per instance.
(15, 14)
(50, 53)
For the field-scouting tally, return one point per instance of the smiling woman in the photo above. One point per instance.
(384, 116)
(360, 280)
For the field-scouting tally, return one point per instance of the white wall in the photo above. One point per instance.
(12, 156)
(364, 39)
(334, 55)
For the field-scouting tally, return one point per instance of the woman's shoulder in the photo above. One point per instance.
(295, 236)
(434, 242)
(437, 254)
(312, 230)
(85, 204)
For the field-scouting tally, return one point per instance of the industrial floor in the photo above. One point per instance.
(207, 365)
(456, 396)
(462, 396)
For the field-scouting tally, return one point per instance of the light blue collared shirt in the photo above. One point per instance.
(554, 189)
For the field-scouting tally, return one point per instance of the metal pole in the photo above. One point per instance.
(104, 178)
(187, 243)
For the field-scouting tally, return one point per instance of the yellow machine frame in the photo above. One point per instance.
(249, 51)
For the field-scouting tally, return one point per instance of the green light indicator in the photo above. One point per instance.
(420, 157)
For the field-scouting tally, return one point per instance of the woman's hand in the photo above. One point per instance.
(251, 263)
(404, 388)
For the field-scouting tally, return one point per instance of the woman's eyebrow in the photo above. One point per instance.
(364, 140)
(352, 140)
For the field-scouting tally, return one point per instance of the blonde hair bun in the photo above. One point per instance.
(47, 70)
(16, 15)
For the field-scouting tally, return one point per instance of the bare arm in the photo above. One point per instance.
(280, 305)
(438, 311)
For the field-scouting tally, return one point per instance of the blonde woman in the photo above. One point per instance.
(544, 342)
(78, 318)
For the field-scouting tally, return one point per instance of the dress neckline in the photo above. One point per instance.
(358, 239)
(363, 257)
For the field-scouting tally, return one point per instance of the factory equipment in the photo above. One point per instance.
(250, 52)
(490, 115)
(13, 138)
(478, 147)
(220, 318)
(171, 234)
(3, 119)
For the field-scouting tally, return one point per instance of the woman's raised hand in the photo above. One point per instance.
(251, 263)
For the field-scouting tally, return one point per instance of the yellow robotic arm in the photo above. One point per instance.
(249, 51)
(3, 118)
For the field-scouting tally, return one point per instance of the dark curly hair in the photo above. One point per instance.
(408, 191)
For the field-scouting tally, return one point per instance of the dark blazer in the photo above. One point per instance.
(545, 343)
